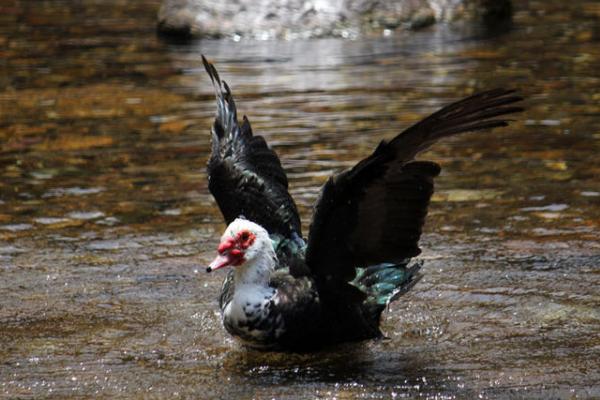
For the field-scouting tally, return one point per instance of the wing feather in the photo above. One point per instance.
(374, 212)
(245, 176)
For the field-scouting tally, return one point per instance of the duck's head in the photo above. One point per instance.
(242, 242)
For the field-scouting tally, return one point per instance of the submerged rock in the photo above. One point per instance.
(265, 19)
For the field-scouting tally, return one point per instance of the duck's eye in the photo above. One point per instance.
(245, 239)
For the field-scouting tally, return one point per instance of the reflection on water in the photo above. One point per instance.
(105, 218)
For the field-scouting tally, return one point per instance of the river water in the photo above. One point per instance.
(106, 222)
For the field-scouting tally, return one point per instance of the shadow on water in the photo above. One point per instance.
(343, 369)
(106, 220)
(344, 363)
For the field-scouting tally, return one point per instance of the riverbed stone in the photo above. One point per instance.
(289, 19)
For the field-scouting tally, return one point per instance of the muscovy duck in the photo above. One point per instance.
(290, 294)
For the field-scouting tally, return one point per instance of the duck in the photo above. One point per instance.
(285, 292)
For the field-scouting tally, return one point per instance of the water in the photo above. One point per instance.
(105, 217)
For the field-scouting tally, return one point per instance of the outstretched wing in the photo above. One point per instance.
(244, 175)
(375, 212)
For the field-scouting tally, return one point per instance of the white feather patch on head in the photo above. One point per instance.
(262, 242)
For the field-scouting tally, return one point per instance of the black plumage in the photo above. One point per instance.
(366, 225)
(244, 175)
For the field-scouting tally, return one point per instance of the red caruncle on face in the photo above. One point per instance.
(235, 246)
(245, 239)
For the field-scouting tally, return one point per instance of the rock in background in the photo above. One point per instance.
(290, 19)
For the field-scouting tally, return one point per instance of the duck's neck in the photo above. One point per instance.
(257, 272)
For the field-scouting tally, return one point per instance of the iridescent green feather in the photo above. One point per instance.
(384, 283)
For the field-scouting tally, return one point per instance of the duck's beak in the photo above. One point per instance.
(233, 257)
(221, 261)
